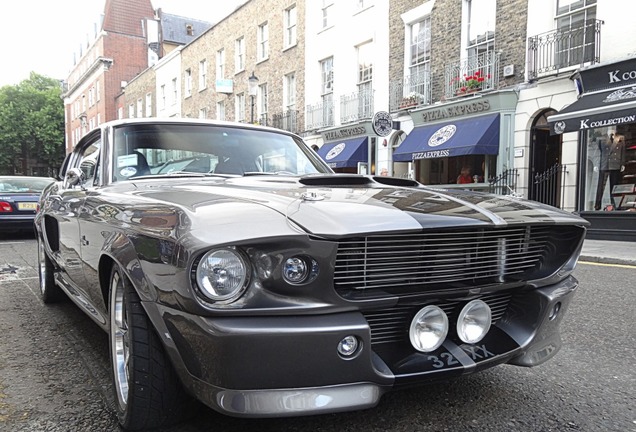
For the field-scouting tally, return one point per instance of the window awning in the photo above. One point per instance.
(345, 154)
(477, 135)
(599, 109)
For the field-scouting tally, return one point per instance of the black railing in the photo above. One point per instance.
(547, 186)
(505, 183)
(562, 48)
(287, 120)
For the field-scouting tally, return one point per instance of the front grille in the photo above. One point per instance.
(392, 325)
(450, 259)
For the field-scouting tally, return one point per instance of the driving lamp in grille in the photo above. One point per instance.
(474, 321)
(429, 328)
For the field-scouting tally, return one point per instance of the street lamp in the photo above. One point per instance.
(252, 82)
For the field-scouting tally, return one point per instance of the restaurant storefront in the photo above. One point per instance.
(463, 141)
(604, 116)
(346, 149)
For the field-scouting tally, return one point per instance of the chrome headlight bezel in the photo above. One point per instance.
(219, 265)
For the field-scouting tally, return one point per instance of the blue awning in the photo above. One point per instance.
(345, 154)
(477, 135)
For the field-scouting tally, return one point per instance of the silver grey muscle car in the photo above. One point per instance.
(230, 266)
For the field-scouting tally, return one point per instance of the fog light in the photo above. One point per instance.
(474, 321)
(348, 346)
(429, 328)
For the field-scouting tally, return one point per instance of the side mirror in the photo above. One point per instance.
(74, 176)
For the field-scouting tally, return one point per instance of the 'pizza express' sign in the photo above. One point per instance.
(456, 110)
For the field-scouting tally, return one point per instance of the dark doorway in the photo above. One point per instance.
(545, 163)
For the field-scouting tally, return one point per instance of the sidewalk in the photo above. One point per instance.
(610, 252)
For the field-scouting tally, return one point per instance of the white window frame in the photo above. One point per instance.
(239, 54)
(148, 104)
(220, 110)
(289, 91)
(327, 13)
(239, 104)
(291, 27)
(263, 42)
(262, 100)
(140, 108)
(203, 74)
(220, 64)
(188, 82)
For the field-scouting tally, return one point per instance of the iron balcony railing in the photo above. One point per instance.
(473, 74)
(287, 120)
(356, 106)
(410, 92)
(319, 115)
(563, 48)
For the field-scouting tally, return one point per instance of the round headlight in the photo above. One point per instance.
(474, 321)
(429, 328)
(221, 275)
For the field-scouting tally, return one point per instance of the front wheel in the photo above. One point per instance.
(148, 393)
(49, 291)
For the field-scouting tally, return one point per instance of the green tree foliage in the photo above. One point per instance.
(31, 126)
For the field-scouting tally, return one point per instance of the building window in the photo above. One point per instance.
(175, 91)
(188, 82)
(220, 110)
(239, 54)
(91, 96)
(365, 80)
(419, 58)
(481, 27)
(99, 119)
(131, 111)
(220, 64)
(262, 103)
(140, 108)
(162, 93)
(203, 113)
(290, 27)
(263, 42)
(98, 95)
(576, 25)
(120, 113)
(239, 114)
(203, 74)
(148, 104)
(289, 92)
(327, 13)
(326, 74)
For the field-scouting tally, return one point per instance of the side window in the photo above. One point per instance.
(89, 163)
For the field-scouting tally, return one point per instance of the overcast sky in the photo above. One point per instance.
(42, 35)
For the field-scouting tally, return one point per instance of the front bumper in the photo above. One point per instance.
(279, 366)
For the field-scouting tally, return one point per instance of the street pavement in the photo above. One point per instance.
(609, 252)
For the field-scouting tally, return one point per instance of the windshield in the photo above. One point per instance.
(169, 149)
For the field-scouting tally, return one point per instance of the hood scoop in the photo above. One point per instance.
(355, 180)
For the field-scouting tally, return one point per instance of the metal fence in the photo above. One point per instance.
(547, 186)
(505, 183)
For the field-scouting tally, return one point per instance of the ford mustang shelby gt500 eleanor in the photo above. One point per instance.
(230, 265)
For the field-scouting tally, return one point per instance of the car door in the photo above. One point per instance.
(68, 209)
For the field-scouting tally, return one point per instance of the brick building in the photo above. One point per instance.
(129, 38)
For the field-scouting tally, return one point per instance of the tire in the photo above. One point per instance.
(148, 393)
(49, 291)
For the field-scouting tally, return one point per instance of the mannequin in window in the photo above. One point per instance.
(612, 148)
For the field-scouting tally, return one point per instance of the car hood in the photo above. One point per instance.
(349, 204)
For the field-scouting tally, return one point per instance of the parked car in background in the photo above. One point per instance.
(19, 196)
(230, 265)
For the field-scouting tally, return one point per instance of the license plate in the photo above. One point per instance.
(27, 206)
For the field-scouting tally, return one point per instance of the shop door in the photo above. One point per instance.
(545, 165)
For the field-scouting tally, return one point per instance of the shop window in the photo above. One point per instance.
(610, 169)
